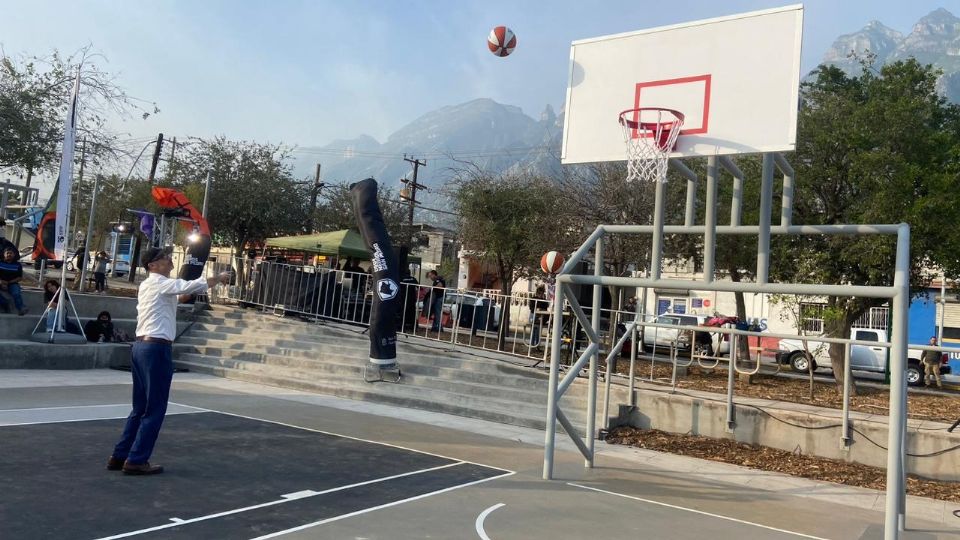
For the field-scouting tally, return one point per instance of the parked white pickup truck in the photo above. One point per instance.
(862, 358)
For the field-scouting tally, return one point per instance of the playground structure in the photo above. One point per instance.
(727, 96)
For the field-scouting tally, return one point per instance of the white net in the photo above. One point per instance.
(649, 135)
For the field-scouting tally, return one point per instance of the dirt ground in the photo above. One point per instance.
(769, 459)
(869, 399)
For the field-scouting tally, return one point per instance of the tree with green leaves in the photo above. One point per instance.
(253, 195)
(335, 212)
(880, 147)
(510, 221)
(34, 96)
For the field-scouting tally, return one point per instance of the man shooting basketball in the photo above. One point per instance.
(152, 361)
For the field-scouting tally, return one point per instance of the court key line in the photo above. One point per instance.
(343, 436)
(272, 503)
(92, 419)
(483, 515)
(701, 512)
(66, 407)
(379, 507)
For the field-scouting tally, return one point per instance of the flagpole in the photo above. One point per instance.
(65, 187)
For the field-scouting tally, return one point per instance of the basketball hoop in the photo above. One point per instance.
(650, 134)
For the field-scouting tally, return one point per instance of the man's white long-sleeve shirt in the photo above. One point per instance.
(157, 304)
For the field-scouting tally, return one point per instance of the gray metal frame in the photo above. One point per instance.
(898, 294)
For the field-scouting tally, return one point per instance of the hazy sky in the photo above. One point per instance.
(309, 72)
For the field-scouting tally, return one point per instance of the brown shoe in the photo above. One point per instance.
(114, 464)
(141, 468)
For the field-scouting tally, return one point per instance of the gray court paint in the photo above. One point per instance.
(701, 512)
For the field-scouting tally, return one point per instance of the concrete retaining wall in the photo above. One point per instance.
(789, 428)
(29, 355)
(88, 305)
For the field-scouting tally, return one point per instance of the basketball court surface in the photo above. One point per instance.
(249, 461)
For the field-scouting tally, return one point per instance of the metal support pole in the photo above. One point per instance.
(4, 199)
(766, 201)
(902, 517)
(943, 307)
(656, 256)
(691, 204)
(898, 362)
(786, 201)
(736, 206)
(731, 378)
(206, 195)
(595, 358)
(550, 433)
(89, 237)
(710, 221)
(639, 310)
(845, 431)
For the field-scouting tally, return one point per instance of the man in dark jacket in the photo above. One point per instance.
(436, 299)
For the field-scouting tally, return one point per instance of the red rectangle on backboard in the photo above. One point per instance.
(682, 84)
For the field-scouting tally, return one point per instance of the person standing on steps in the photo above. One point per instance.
(436, 299)
(100, 271)
(152, 360)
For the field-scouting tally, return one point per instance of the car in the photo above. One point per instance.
(667, 337)
(463, 307)
(815, 354)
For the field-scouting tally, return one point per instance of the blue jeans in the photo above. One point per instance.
(13, 290)
(436, 308)
(152, 365)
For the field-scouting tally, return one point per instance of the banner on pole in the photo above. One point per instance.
(65, 180)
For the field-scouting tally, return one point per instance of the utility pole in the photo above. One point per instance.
(156, 158)
(314, 193)
(206, 195)
(173, 148)
(412, 185)
(89, 237)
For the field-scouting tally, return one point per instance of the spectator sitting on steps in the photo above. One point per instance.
(11, 273)
(51, 295)
(100, 329)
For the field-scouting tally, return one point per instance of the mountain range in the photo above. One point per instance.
(934, 39)
(498, 137)
(482, 132)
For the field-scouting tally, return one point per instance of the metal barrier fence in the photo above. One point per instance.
(467, 318)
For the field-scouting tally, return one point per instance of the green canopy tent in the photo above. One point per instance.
(345, 243)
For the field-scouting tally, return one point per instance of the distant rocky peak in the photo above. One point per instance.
(875, 38)
(548, 116)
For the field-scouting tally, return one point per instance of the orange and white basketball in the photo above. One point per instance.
(551, 262)
(501, 41)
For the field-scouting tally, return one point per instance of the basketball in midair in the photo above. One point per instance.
(501, 41)
(551, 262)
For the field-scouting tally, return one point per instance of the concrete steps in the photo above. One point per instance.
(329, 359)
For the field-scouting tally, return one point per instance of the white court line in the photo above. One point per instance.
(65, 407)
(272, 503)
(119, 415)
(483, 515)
(387, 505)
(343, 436)
(701, 512)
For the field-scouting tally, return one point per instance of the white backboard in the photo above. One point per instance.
(736, 79)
